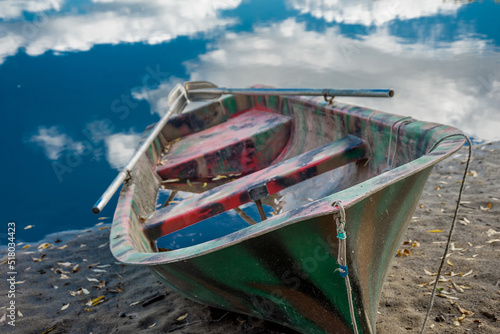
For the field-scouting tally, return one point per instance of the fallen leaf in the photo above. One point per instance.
(464, 311)
(435, 231)
(64, 276)
(427, 272)
(102, 218)
(492, 241)
(92, 280)
(467, 273)
(45, 245)
(76, 268)
(20, 314)
(101, 285)
(65, 307)
(62, 247)
(182, 317)
(102, 228)
(103, 245)
(26, 247)
(472, 173)
(152, 325)
(446, 296)
(29, 226)
(135, 303)
(492, 232)
(457, 287)
(488, 207)
(96, 301)
(50, 329)
(65, 264)
(449, 263)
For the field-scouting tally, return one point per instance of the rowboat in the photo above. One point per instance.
(285, 208)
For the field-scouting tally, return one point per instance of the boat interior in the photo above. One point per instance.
(241, 160)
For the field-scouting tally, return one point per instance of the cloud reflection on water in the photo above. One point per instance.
(369, 12)
(456, 83)
(107, 22)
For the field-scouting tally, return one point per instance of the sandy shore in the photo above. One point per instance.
(58, 281)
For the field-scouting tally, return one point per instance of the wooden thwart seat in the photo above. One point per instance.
(265, 182)
(243, 144)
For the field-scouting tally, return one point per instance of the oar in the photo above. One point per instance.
(203, 90)
(177, 100)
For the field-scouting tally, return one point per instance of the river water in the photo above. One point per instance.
(80, 80)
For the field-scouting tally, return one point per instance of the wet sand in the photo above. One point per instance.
(58, 281)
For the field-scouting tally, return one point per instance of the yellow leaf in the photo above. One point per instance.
(45, 245)
(96, 301)
(449, 263)
(102, 228)
(29, 226)
(49, 330)
(182, 317)
(473, 173)
(435, 231)
(26, 247)
(65, 307)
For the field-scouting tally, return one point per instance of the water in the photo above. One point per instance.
(80, 80)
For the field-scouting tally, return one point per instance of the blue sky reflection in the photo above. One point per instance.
(80, 80)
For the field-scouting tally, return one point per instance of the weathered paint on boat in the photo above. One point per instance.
(284, 269)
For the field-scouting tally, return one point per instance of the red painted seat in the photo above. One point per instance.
(267, 181)
(243, 144)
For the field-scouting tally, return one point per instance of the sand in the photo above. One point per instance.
(56, 283)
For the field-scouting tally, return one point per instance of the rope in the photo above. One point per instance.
(404, 120)
(433, 294)
(342, 260)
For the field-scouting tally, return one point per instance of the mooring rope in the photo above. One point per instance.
(342, 260)
(433, 294)
(404, 120)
